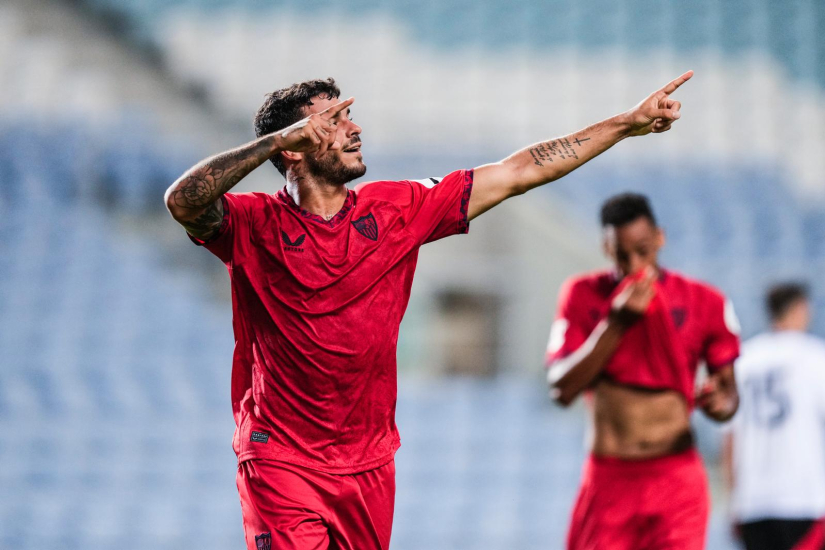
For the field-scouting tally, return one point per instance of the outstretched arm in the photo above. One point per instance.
(547, 161)
(193, 200)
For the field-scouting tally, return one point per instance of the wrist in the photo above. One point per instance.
(623, 125)
(622, 319)
(274, 142)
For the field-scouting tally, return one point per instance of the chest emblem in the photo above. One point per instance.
(679, 314)
(263, 541)
(595, 315)
(367, 226)
(290, 245)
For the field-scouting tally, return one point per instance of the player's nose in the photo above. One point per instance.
(353, 129)
(637, 264)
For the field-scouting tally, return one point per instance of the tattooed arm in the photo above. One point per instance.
(194, 200)
(550, 160)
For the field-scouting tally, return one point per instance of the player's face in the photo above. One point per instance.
(799, 315)
(633, 246)
(343, 165)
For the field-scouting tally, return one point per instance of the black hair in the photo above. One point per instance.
(782, 296)
(286, 106)
(621, 209)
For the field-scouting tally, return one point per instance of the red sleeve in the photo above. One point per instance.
(235, 225)
(570, 329)
(438, 208)
(722, 340)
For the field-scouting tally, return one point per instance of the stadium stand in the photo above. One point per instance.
(788, 30)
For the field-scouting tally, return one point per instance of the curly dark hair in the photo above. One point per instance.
(782, 296)
(286, 106)
(625, 208)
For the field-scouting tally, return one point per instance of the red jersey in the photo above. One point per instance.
(687, 322)
(316, 308)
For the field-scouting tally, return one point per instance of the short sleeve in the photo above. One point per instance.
(570, 329)
(438, 207)
(234, 225)
(722, 340)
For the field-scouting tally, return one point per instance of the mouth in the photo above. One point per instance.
(356, 148)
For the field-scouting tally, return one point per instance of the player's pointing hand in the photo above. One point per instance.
(658, 111)
(316, 133)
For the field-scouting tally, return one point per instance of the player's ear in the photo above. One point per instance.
(291, 156)
(608, 240)
(661, 238)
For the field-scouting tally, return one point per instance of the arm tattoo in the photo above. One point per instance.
(207, 181)
(557, 148)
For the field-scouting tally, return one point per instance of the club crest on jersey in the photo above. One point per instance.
(679, 314)
(290, 245)
(367, 226)
(263, 541)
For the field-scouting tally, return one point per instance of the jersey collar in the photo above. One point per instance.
(349, 202)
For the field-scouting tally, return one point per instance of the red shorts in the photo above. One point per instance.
(656, 504)
(288, 507)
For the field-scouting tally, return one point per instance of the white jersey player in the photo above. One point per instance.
(775, 448)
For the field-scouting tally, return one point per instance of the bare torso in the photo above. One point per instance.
(637, 423)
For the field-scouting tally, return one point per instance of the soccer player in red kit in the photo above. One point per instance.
(633, 337)
(321, 276)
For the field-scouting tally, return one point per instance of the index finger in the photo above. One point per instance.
(338, 107)
(674, 84)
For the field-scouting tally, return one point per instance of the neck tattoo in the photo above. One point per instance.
(328, 217)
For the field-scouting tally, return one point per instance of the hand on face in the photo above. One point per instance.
(631, 303)
(658, 111)
(317, 133)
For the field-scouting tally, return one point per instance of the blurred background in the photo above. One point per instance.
(115, 332)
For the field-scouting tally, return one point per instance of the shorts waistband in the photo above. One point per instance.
(644, 465)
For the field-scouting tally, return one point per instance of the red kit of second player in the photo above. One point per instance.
(316, 310)
(687, 322)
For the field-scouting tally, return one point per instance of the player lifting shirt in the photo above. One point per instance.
(321, 276)
(633, 336)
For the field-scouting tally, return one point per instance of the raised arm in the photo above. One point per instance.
(569, 376)
(193, 200)
(550, 160)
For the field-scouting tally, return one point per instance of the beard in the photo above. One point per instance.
(331, 169)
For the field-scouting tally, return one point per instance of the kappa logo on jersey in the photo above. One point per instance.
(429, 182)
(367, 226)
(263, 541)
(293, 246)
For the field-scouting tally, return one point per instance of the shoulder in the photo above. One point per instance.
(814, 344)
(249, 200)
(703, 296)
(601, 283)
(708, 301)
(701, 289)
(395, 188)
(383, 188)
